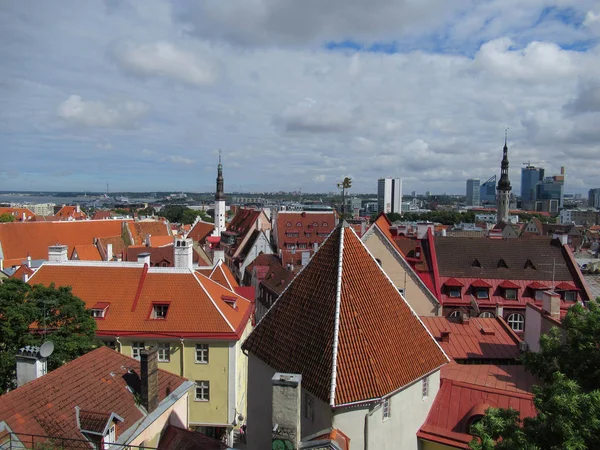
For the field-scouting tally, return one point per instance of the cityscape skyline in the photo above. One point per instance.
(144, 97)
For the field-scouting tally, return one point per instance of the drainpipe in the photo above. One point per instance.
(369, 414)
(182, 357)
(120, 345)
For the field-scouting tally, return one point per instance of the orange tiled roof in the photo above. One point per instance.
(161, 241)
(17, 213)
(139, 230)
(94, 382)
(222, 275)
(34, 238)
(196, 305)
(22, 271)
(381, 344)
(86, 252)
(71, 212)
(200, 231)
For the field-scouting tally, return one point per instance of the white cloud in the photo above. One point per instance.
(163, 59)
(104, 145)
(591, 19)
(99, 114)
(316, 117)
(181, 160)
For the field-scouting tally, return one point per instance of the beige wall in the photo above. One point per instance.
(176, 415)
(413, 291)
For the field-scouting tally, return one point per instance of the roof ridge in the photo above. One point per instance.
(336, 323)
(194, 274)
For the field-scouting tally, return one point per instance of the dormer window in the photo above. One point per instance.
(476, 263)
(482, 293)
(99, 310)
(502, 264)
(100, 428)
(289, 224)
(510, 294)
(454, 292)
(324, 224)
(159, 310)
(298, 224)
(315, 224)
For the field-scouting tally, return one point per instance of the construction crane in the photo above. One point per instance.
(529, 163)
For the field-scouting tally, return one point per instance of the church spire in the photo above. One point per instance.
(220, 193)
(504, 183)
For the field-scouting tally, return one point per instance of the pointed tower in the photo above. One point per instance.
(503, 189)
(219, 201)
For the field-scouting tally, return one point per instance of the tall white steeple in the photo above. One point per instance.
(219, 201)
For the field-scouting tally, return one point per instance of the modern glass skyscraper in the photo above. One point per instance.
(530, 177)
(473, 193)
(487, 191)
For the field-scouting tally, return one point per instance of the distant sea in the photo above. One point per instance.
(41, 199)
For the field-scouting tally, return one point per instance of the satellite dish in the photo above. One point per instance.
(46, 349)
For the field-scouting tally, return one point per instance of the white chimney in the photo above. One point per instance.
(24, 218)
(287, 394)
(148, 240)
(183, 249)
(144, 258)
(58, 253)
(29, 261)
(30, 365)
(563, 238)
(77, 208)
(551, 304)
(109, 254)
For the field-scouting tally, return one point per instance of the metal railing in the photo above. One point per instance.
(20, 441)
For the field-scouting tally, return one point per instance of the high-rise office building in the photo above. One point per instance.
(530, 177)
(473, 192)
(389, 195)
(594, 198)
(549, 195)
(487, 191)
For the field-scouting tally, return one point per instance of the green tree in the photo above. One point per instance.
(568, 402)
(7, 218)
(30, 315)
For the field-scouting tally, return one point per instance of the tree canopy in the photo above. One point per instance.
(7, 218)
(183, 214)
(30, 315)
(567, 403)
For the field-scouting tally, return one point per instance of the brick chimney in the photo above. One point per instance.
(58, 253)
(551, 304)
(149, 378)
(445, 336)
(287, 394)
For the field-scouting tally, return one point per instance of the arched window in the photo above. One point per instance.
(486, 315)
(516, 321)
(454, 314)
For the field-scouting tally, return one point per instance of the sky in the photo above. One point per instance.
(297, 95)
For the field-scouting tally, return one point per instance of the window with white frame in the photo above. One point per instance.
(159, 311)
(309, 412)
(164, 352)
(136, 348)
(486, 315)
(202, 353)
(425, 388)
(202, 391)
(516, 322)
(110, 438)
(98, 313)
(510, 294)
(387, 408)
(454, 314)
(454, 292)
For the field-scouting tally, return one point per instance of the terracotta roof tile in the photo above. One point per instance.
(34, 238)
(46, 406)
(18, 213)
(200, 231)
(70, 212)
(509, 378)
(21, 272)
(480, 338)
(381, 346)
(195, 304)
(140, 230)
(86, 252)
(507, 284)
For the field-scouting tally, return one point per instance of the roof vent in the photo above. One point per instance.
(476, 263)
(503, 264)
(529, 265)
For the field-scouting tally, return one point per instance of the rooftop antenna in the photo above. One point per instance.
(46, 349)
(505, 135)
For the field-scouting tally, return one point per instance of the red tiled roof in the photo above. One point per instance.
(453, 282)
(21, 272)
(508, 378)
(94, 382)
(195, 304)
(17, 213)
(489, 338)
(67, 212)
(538, 286)
(161, 241)
(101, 215)
(458, 403)
(507, 284)
(381, 346)
(87, 252)
(480, 283)
(201, 231)
(222, 275)
(34, 238)
(565, 287)
(243, 221)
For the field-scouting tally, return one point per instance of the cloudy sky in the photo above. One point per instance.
(297, 94)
